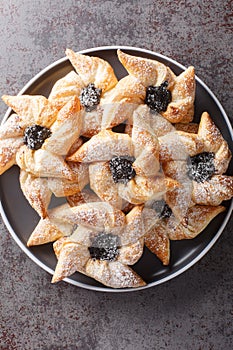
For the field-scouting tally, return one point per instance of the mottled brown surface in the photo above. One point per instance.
(192, 311)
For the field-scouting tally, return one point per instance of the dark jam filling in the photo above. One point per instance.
(35, 135)
(121, 169)
(158, 97)
(104, 247)
(201, 167)
(162, 209)
(90, 97)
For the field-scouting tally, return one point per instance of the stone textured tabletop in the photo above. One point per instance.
(194, 310)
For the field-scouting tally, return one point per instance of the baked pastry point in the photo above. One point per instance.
(93, 70)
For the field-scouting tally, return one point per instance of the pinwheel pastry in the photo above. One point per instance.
(100, 256)
(104, 252)
(96, 239)
(206, 169)
(105, 101)
(203, 196)
(36, 139)
(169, 227)
(172, 96)
(124, 169)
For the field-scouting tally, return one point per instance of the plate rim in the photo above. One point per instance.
(176, 273)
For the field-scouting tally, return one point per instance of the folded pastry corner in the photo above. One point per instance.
(93, 69)
(36, 191)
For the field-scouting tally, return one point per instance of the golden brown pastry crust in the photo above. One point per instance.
(37, 192)
(146, 147)
(146, 71)
(42, 163)
(69, 166)
(73, 255)
(102, 147)
(158, 242)
(32, 109)
(93, 70)
(212, 192)
(13, 127)
(141, 189)
(63, 188)
(179, 145)
(85, 196)
(193, 223)
(114, 274)
(50, 228)
(47, 161)
(8, 149)
(65, 89)
(181, 108)
(214, 142)
(66, 128)
(187, 127)
(182, 87)
(101, 182)
(97, 215)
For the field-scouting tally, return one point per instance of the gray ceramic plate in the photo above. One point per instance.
(21, 219)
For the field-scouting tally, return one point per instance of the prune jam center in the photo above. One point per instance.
(162, 208)
(90, 97)
(35, 135)
(121, 169)
(158, 97)
(104, 246)
(201, 167)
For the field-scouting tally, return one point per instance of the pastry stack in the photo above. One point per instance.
(133, 168)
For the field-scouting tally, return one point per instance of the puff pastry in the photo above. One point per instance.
(30, 110)
(102, 147)
(153, 73)
(65, 89)
(50, 228)
(85, 196)
(73, 255)
(97, 215)
(125, 156)
(93, 70)
(193, 223)
(43, 163)
(66, 128)
(64, 188)
(214, 142)
(37, 110)
(218, 187)
(36, 191)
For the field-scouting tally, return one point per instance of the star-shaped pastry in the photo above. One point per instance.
(116, 99)
(96, 239)
(104, 252)
(125, 168)
(37, 138)
(169, 227)
(172, 96)
(206, 169)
